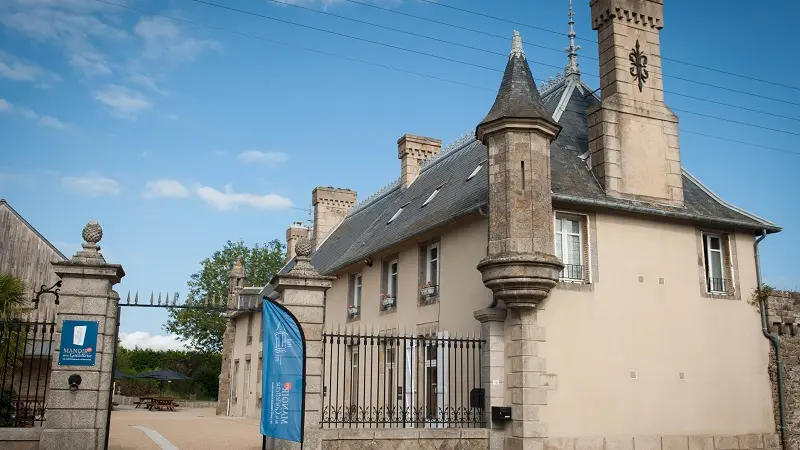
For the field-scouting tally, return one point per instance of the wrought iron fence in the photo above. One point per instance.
(401, 381)
(25, 352)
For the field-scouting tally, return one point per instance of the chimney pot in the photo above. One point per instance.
(331, 206)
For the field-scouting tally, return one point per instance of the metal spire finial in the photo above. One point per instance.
(572, 51)
(516, 46)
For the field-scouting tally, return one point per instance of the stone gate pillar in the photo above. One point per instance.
(77, 419)
(235, 285)
(493, 368)
(303, 294)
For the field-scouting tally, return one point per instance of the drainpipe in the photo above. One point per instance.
(776, 345)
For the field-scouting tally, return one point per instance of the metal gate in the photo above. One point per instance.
(217, 305)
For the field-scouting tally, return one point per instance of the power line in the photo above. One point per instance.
(364, 22)
(281, 2)
(299, 47)
(335, 55)
(336, 33)
(204, 2)
(699, 66)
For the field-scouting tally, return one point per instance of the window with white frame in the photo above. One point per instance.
(389, 297)
(354, 375)
(569, 246)
(431, 270)
(356, 294)
(715, 258)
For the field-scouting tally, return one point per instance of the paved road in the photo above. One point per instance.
(183, 429)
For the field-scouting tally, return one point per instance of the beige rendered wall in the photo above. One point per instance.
(461, 289)
(241, 350)
(595, 339)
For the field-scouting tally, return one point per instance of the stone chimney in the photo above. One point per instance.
(633, 135)
(412, 151)
(293, 233)
(331, 205)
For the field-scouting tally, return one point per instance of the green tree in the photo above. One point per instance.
(203, 329)
(12, 296)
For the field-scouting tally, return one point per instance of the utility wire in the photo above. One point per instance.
(505, 55)
(299, 47)
(336, 33)
(335, 55)
(699, 66)
(264, 16)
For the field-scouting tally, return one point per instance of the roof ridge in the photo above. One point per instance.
(35, 231)
(380, 193)
(449, 149)
(551, 83)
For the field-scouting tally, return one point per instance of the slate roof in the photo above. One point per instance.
(517, 96)
(365, 230)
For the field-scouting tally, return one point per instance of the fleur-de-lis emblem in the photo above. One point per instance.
(638, 65)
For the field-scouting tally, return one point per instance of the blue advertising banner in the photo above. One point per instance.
(78, 343)
(282, 375)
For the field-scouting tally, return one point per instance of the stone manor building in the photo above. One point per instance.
(608, 285)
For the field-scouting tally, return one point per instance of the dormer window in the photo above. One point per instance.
(475, 172)
(395, 215)
(433, 195)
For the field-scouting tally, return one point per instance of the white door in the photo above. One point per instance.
(246, 391)
(442, 378)
(409, 396)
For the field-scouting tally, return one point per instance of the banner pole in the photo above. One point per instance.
(263, 442)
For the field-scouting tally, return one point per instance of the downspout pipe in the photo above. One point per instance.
(775, 340)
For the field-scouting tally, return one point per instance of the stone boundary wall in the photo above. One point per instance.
(20, 438)
(745, 442)
(406, 439)
(783, 317)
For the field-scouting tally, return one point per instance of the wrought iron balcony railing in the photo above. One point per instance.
(717, 285)
(572, 272)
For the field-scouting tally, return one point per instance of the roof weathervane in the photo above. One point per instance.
(516, 46)
(572, 51)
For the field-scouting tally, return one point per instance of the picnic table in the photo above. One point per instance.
(155, 402)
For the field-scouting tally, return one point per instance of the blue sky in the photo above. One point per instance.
(177, 137)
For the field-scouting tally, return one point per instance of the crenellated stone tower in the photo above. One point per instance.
(520, 267)
(633, 135)
(236, 281)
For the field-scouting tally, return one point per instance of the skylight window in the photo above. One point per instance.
(475, 172)
(433, 195)
(396, 214)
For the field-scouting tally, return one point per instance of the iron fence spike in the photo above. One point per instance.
(136, 299)
(151, 297)
(128, 300)
(174, 298)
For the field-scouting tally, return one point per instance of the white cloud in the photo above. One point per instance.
(146, 81)
(17, 69)
(52, 122)
(143, 339)
(121, 101)
(228, 199)
(163, 39)
(69, 24)
(265, 158)
(28, 113)
(90, 63)
(91, 185)
(165, 189)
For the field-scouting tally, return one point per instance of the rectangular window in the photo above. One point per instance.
(391, 279)
(716, 258)
(249, 328)
(431, 379)
(356, 294)
(261, 331)
(235, 381)
(569, 247)
(390, 382)
(432, 265)
(258, 379)
(354, 360)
